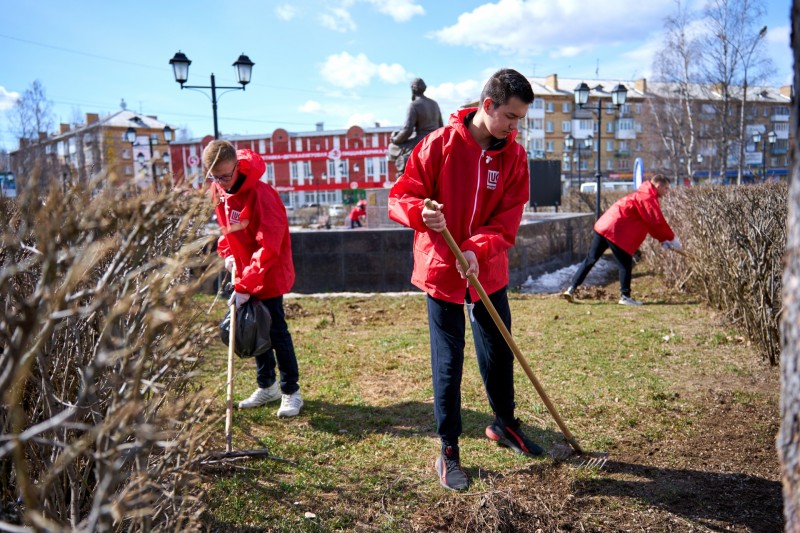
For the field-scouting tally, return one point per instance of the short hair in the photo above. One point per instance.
(218, 151)
(660, 179)
(505, 84)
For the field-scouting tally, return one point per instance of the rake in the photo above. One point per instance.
(593, 460)
(230, 455)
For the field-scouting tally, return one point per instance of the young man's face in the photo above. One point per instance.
(504, 119)
(662, 189)
(224, 173)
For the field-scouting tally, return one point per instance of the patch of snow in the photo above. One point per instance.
(604, 271)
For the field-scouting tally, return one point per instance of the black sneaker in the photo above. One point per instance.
(513, 437)
(448, 468)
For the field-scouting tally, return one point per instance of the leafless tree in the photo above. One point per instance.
(788, 441)
(31, 115)
(735, 57)
(673, 113)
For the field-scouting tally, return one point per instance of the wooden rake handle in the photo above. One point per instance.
(231, 345)
(506, 334)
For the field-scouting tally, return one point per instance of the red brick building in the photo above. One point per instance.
(307, 168)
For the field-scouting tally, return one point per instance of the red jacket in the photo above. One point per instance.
(483, 193)
(357, 212)
(632, 217)
(255, 230)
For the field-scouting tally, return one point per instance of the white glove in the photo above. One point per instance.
(239, 298)
(674, 244)
(230, 263)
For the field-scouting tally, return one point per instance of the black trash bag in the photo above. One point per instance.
(253, 322)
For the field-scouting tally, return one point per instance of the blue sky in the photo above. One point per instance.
(340, 62)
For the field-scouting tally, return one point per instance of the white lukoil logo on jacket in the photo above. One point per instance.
(491, 181)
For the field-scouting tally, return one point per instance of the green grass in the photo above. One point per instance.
(363, 448)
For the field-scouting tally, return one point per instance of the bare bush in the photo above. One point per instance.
(575, 201)
(735, 238)
(99, 339)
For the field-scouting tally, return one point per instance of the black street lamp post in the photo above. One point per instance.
(772, 137)
(618, 96)
(180, 66)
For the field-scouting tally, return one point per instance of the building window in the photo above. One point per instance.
(586, 124)
(331, 168)
(566, 126)
(126, 153)
(609, 127)
(565, 107)
(609, 146)
(293, 171)
(538, 103)
(306, 168)
(548, 107)
(637, 108)
(610, 164)
(370, 162)
(549, 127)
(383, 165)
(549, 146)
(538, 124)
(128, 170)
(269, 174)
(624, 164)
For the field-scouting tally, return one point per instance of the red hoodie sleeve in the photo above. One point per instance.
(408, 194)
(499, 232)
(650, 211)
(270, 223)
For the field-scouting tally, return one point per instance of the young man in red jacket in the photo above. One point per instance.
(623, 228)
(255, 238)
(478, 175)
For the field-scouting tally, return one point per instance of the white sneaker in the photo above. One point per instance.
(290, 404)
(261, 396)
(627, 300)
(569, 295)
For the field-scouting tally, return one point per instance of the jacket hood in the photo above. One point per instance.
(251, 165)
(647, 188)
(457, 121)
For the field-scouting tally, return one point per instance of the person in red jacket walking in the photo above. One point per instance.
(623, 228)
(255, 238)
(478, 175)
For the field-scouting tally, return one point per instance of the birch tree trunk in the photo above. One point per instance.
(789, 436)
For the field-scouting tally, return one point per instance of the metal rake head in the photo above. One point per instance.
(591, 461)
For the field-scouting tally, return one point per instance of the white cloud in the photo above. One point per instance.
(535, 26)
(337, 19)
(310, 106)
(285, 12)
(363, 120)
(451, 96)
(392, 74)
(348, 71)
(7, 99)
(399, 10)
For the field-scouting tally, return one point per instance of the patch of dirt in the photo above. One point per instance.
(716, 479)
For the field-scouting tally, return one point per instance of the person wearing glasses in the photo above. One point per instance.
(255, 239)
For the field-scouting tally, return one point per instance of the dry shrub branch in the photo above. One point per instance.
(735, 238)
(99, 339)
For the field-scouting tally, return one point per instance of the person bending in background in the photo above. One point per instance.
(623, 228)
(358, 212)
(255, 238)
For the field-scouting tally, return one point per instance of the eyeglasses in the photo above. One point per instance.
(226, 177)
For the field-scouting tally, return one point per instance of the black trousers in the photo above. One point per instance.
(624, 260)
